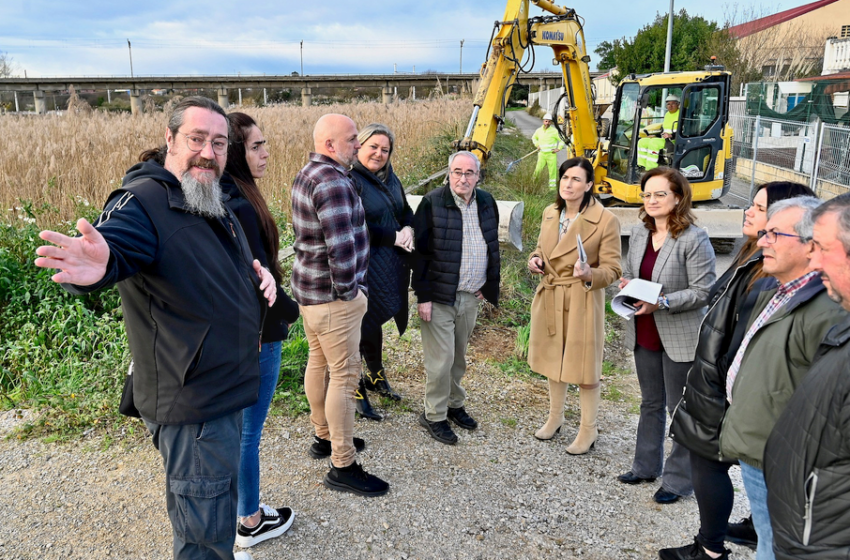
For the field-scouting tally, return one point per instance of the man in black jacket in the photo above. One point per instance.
(456, 235)
(191, 295)
(807, 456)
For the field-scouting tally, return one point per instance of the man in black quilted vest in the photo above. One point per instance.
(193, 300)
(456, 233)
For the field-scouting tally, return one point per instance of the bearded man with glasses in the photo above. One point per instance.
(193, 301)
(457, 240)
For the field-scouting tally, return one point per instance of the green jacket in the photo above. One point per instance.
(548, 139)
(775, 362)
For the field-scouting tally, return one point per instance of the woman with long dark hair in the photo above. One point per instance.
(389, 218)
(568, 311)
(699, 415)
(247, 158)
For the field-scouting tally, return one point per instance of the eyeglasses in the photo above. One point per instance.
(457, 174)
(659, 196)
(772, 236)
(196, 144)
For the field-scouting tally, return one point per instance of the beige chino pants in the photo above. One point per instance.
(333, 371)
(444, 341)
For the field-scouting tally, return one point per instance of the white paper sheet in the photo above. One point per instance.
(643, 290)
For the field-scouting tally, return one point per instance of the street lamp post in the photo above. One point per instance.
(302, 58)
(130, 49)
(461, 56)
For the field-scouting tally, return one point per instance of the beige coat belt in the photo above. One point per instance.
(576, 292)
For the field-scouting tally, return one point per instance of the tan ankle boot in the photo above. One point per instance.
(557, 398)
(587, 432)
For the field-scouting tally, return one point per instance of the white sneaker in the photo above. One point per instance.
(273, 523)
(242, 555)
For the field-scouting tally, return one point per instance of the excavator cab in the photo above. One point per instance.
(701, 143)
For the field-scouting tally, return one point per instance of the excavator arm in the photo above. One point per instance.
(512, 37)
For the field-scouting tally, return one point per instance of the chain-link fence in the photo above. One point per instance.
(812, 153)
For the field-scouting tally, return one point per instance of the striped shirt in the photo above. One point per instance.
(331, 239)
(783, 295)
(473, 261)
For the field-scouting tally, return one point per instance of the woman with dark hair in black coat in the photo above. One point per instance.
(389, 218)
(247, 157)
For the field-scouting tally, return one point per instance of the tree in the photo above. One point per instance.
(788, 51)
(605, 50)
(644, 52)
(7, 65)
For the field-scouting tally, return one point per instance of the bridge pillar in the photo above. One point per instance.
(40, 104)
(306, 97)
(387, 95)
(136, 106)
(222, 98)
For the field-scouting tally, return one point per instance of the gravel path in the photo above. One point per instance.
(498, 493)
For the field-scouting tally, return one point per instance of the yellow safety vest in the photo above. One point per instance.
(548, 139)
(671, 122)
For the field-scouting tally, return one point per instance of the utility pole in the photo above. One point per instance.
(461, 56)
(130, 49)
(302, 58)
(669, 39)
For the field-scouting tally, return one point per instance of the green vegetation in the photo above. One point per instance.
(643, 53)
(66, 356)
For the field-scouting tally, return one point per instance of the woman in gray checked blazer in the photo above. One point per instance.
(668, 248)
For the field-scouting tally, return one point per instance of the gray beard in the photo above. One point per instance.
(201, 199)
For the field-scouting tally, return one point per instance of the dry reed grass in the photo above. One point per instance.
(60, 160)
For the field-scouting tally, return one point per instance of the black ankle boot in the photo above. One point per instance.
(365, 409)
(378, 383)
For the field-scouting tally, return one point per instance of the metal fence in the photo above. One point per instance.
(813, 153)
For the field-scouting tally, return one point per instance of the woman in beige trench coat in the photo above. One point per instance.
(568, 311)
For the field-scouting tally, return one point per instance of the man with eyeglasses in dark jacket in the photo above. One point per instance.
(193, 301)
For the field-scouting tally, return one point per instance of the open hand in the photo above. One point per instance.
(81, 260)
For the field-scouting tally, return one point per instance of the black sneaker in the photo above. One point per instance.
(461, 418)
(743, 533)
(322, 447)
(273, 523)
(689, 552)
(440, 431)
(355, 480)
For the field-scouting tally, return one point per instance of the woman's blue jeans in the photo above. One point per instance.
(253, 419)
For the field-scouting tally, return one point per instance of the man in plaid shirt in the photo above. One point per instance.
(790, 318)
(328, 282)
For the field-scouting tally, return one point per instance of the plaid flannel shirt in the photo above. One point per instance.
(331, 239)
(783, 295)
(473, 263)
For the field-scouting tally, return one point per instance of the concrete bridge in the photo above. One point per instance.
(136, 85)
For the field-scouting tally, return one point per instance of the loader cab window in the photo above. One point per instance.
(652, 116)
(700, 110)
(624, 125)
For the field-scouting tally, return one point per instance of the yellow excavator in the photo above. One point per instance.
(623, 148)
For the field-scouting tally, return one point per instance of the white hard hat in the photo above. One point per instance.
(547, 117)
(672, 97)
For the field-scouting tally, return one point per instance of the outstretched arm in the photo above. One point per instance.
(80, 260)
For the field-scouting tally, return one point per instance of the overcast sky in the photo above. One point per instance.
(63, 38)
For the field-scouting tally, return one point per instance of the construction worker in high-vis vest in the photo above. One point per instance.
(671, 118)
(548, 141)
